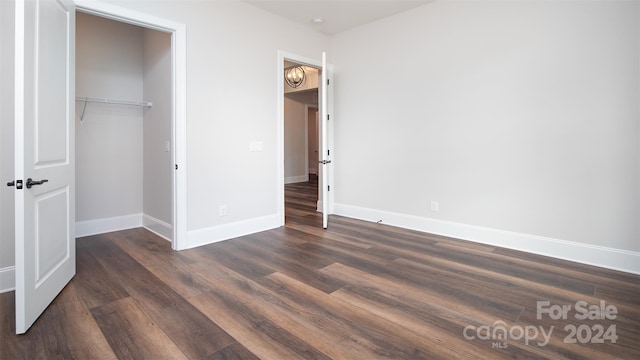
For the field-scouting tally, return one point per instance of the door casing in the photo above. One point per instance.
(317, 63)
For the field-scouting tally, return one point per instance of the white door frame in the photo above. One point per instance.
(179, 71)
(316, 63)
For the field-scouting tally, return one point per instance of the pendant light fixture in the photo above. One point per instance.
(294, 76)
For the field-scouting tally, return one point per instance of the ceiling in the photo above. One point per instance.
(338, 15)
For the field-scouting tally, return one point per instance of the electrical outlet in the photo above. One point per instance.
(435, 207)
(256, 146)
(223, 210)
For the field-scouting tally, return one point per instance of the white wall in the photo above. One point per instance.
(109, 64)
(231, 44)
(158, 164)
(7, 242)
(516, 117)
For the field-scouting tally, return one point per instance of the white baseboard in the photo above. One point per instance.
(158, 227)
(101, 226)
(610, 258)
(229, 231)
(296, 179)
(7, 279)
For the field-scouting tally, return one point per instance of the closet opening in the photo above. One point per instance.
(129, 135)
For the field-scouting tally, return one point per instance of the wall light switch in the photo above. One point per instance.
(167, 146)
(255, 146)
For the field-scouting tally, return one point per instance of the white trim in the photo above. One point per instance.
(117, 223)
(296, 179)
(105, 225)
(610, 258)
(7, 279)
(232, 230)
(158, 227)
(179, 71)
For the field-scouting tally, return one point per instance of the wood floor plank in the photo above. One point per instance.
(234, 351)
(497, 263)
(421, 318)
(95, 285)
(68, 331)
(260, 335)
(244, 325)
(251, 303)
(157, 257)
(190, 330)
(132, 334)
(242, 307)
(81, 333)
(380, 338)
(230, 258)
(331, 250)
(434, 301)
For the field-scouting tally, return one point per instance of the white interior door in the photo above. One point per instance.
(44, 148)
(325, 152)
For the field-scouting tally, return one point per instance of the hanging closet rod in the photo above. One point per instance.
(115, 101)
(110, 101)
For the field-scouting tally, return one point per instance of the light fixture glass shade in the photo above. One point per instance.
(294, 76)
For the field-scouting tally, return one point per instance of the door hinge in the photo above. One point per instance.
(328, 187)
(328, 152)
(176, 166)
(328, 82)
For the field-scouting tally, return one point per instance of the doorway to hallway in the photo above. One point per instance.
(301, 140)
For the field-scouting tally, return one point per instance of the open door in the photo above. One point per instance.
(44, 153)
(325, 152)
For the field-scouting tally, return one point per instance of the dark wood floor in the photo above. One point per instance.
(355, 291)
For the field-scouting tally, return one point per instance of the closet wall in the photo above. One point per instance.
(158, 165)
(123, 170)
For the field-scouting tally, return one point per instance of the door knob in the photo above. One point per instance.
(31, 182)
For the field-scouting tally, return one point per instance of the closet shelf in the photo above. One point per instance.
(110, 101)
